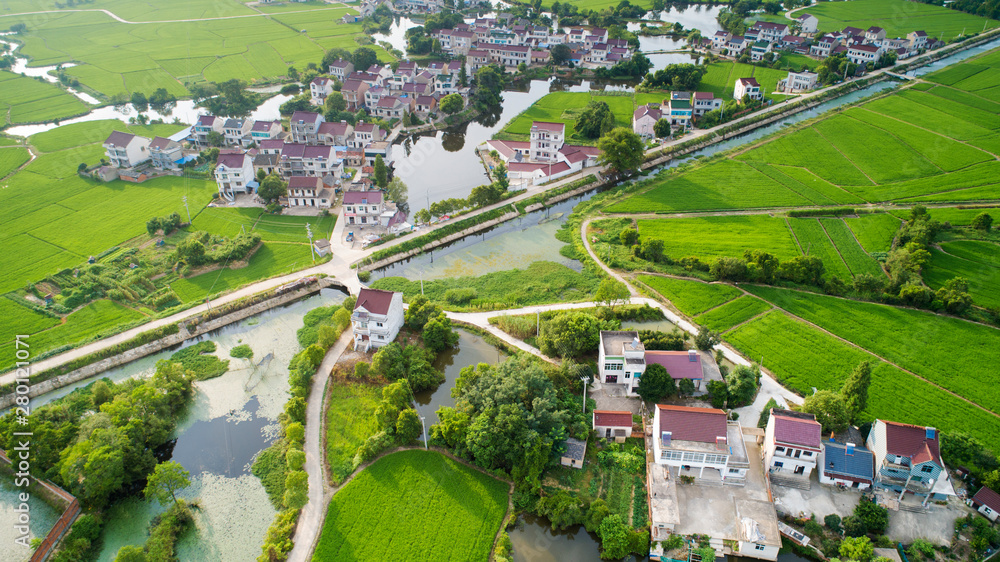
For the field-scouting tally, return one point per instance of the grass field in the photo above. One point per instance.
(414, 505)
(26, 100)
(721, 77)
(350, 419)
(973, 260)
(732, 313)
(565, 107)
(941, 149)
(897, 17)
(814, 242)
(11, 159)
(272, 259)
(690, 297)
(711, 237)
(875, 231)
(20, 319)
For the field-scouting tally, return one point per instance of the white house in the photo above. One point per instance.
(319, 89)
(264, 130)
(747, 87)
(860, 54)
(377, 318)
(336, 134)
(309, 160)
(126, 150)
(621, 359)
(234, 173)
(720, 39)
(340, 68)
(700, 442)
(759, 49)
(808, 23)
(644, 118)
(306, 191)
(791, 443)
(237, 131)
(704, 102)
(207, 124)
(612, 424)
(305, 126)
(546, 140)
(165, 153)
(363, 207)
(987, 502)
(770, 31)
(799, 81)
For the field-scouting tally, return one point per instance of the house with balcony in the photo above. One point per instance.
(770, 31)
(340, 68)
(335, 134)
(864, 54)
(354, 93)
(747, 87)
(759, 49)
(703, 102)
(309, 160)
(720, 39)
(791, 446)
(319, 88)
(377, 318)
(700, 442)
(736, 45)
(165, 153)
(265, 130)
(823, 45)
(621, 359)
(305, 191)
(363, 207)
(546, 155)
(844, 461)
(234, 174)
(207, 124)
(546, 140)
(644, 119)
(798, 82)
(908, 460)
(367, 133)
(125, 150)
(305, 127)
(237, 131)
(679, 110)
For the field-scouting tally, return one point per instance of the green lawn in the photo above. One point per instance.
(272, 259)
(26, 100)
(565, 107)
(691, 297)
(414, 505)
(897, 17)
(350, 420)
(721, 77)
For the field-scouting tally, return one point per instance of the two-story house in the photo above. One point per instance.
(319, 89)
(823, 45)
(125, 150)
(340, 68)
(864, 54)
(363, 207)
(621, 359)
(391, 107)
(309, 160)
(759, 49)
(736, 45)
(791, 444)
(918, 40)
(700, 442)
(207, 124)
(799, 82)
(875, 35)
(305, 126)
(367, 133)
(704, 102)
(770, 31)
(908, 459)
(720, 39)
(233, 173)
(354, 93)
(808, 23)
(165, 153)
(264, 130)
(546, 140)
(679, 109)
(845, 461)
(747, 87)
(335, 134)
(304, 191)
(644, 119)
(237, 131)
(377, 318)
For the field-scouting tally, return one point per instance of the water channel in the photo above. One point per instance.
(472, 349)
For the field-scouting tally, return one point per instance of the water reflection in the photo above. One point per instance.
(42, 518)
(471, 350)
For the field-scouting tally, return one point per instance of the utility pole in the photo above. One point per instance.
(185, 199)
(423, 429)
(309, 234)
(585, 380)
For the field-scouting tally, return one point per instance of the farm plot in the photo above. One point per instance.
(844, 133)
(875, 231)
(954, 215)
(982, 251)
(691, 297)
(29, 101)
(732, 313)
(721, 75)
(272, 259)
(350, 420)
(283, 228)
(965, 98)
(565, 107)
(712, 237)
(983, 277)
(808, 149)
(19, 319)
(814, 242)
(919, 341)
(414, 505)
(856, 258)
(955, 186)
(12, 159)
(897, 17)
(227, 222)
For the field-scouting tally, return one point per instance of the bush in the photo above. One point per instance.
(832, 522)
(364, 276)
(460, 296)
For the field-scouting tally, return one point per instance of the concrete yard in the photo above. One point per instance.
(820, 500)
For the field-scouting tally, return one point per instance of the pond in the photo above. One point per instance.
(472, 349)
(42, 518)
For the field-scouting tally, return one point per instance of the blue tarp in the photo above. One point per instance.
(186, 159)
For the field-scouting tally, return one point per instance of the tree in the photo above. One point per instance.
(726, 268)
(153, 226)
(335, 102)
(685, 387)
(741, 386)
(614, 535)
(560, 54)
(662, 128)
(857, 548)
(381, 172)
(438, 334)
(167, 478)
(452, 104)
(855, 390)
(621, 150)
(829, 409)
(570, 334)
(874, 517)
(706, 339)
(596, 514)
(363, 58)
(272, 188)
(983, 222)
(832, 522)
(651, 249)
(420, 311)
(296, 489)
(408, 425)
(595, 120)
(489, 85)
(628, 236)
(215, 138)
(388, 362)
(500, 175)
(611, 292)
(139, 101)
(397, 192)
(656, 384)
(765, 414)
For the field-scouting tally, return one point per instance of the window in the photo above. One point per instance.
(628, 375)
(671, 455)
(613, 367)
(927, 468)
(807, 453)
(378, 324)
(779, 449)
(758, 547)
(734, 471)
(778, 464)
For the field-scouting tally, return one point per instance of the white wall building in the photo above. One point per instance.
(377, 318)
(700, 442)
(125, 150)
(621, 359)
(233, 173)
(791, 443)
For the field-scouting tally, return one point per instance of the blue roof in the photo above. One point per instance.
(186, 159)
(837, 461)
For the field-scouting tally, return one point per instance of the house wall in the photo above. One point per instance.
(786, 457)
(612, 431)
(380, 336)
(761, 551)
(988, 513)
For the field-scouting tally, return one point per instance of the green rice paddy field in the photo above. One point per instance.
(414, 505)
(26, 100)
(803, 356)
(936, 145)
(897, 17)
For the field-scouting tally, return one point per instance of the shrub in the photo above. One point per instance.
(364, 276)
(460, 296)
(832, 522)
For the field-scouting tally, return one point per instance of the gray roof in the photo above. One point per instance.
(575, 449)
(613, 341)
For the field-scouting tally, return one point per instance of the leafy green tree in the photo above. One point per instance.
(398, 192)
(272, 188)
(954, 295)
(741, 386)
(452, 427)
(718, 392)
(614, 535)
(832, 522)
(621, 150)
(662, 128)
(874, 517)
(335, 102)
(765, 414)
(855, 390)
(651, 249)
(489, 87)
(215, 138)
(853, 526)
(381, 172)
(420, 311)
(612, 292)
(596, 513)
(296, 489)
(560, 54)
(242, 351)
(452, 104)
(570, 334)
(363, 58)
(388, 362)
(438, 334)
(562, 510)
(725, 268)
(500, 173)
(802, 269)
(857, 548)
(761, 266)
(629, 236)
(167, 478)
(829, 408)
(983, 222)
(706, 338)
(656, 384)
(153, 226)
(131, 553)
(139, 101)
(408, 425)
(595, 120)
(395, 398)
(685, 387)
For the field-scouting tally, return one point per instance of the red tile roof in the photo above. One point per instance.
(610, 418)
(911, 441)
(677, 363)
(796, 430)
(987, 497)
(546, 126)
(231, 161)
(363, 198)
(119, 138)
(303, 182)
(684, 423)
(374, 300)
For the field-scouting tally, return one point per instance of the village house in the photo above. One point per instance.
(476, 59)
(391, 107)
(845, 461)
(679, 110)
(265, 130)
(575, 453)
(612, 424)
(644, 118)
(305, 126)
(425, 105)
(720, 39)
(823, 45)
(237, 131)
(363, 207)
(747, 87)
(367, 133)
(546, 155)
(335, 134)
(340, 68)
(705, 102)
(309, 160)
(798, 82)
(796, 43)
(305, 191)
(736, 45)
(987, 502)
(125, 150)
(207, 124)
(808, 23)
(377, 318)
(165, 154)
(908, 459)
(319, 89)
(875, 35)
(354, 93)
(918, 40)
(759, 49)
(268, 163)
(770, 31)
(692, 364)
(863, 54)
(621, 359)
(700, 442)
(234, 174)
(791, 446)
